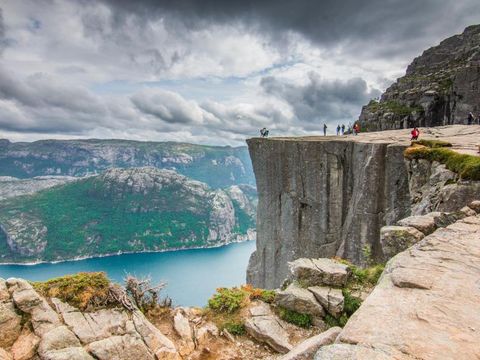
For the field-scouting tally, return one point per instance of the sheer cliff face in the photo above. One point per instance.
(321, 199)
(440, 87)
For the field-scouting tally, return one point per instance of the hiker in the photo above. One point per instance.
(324, 129)
(264, 132)
(356, 129)
(343, 129)
(470, 118)
(338, 130)
(415, 134)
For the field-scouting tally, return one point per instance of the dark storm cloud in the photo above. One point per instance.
(321, 99)
(377, 22)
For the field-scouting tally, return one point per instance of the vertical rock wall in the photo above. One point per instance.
(321, 198)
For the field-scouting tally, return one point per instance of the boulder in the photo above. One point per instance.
(307, 349)
(183, 328)
(56, 339)
(423, 223)
(260, 309)
(300, 300)
(206, 332)
(267, 329)
(94, 326)
(468, 211)
(395, 239)
(126, 347)
(10, 324)
(475, 205)
(4, 355)
(331, 299)
(26, 345)
(323, 271)
(158, 343)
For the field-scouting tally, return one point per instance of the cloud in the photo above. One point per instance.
(2, 32)
(167, 106)
(321, 99)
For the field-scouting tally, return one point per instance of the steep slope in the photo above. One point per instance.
(216, 166)
(440, 87)
(122, 210)
(11, 187)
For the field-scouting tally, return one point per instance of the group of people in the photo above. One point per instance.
(341, 129)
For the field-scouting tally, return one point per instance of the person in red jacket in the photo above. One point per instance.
(415, 134)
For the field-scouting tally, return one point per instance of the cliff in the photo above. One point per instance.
(329, 196)
(123, 210)
(440, 87)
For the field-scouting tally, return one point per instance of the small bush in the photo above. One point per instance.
(367, 276)
(350, 303)
(331, 321)
(259, 294)
(82, 290)
(235, 328)
(227, 300)
(293, 317)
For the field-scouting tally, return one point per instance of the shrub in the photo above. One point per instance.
(235, 328)
(83, 290)
(332, 321)
(350, 303)
(432, 143)
(293, 317)
(227, 300)
(259, 294)
(367, 276)
(145, 296)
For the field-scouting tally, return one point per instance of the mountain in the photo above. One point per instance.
(440, 87)
(217, 166)
(123, 210)
(11, 187)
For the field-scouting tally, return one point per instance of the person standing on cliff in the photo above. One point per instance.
(338, 130)
(324, 129)
(343, 129)
(415, 134)
(470, 118)
(356, 129)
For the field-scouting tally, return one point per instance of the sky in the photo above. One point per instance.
(207, 72)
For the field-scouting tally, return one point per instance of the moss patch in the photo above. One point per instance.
(466, 166)
(296, 318)
(83, 290)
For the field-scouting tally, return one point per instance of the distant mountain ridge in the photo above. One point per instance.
(215, 165)
(123, 210)
(440, 87)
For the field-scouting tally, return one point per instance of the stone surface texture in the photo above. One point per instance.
(307, 349)
(425, 305)
(62, 332)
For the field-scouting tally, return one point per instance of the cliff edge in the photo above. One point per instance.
(329, 196)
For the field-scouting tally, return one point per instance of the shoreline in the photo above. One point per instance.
(80, 258)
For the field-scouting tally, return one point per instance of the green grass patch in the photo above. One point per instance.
(227, 300)
(465, 165)
(235, 328)
(82, 290)
(293, 317)
(392, 106)
(432, 143)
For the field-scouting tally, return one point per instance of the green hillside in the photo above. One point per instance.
(123, 210)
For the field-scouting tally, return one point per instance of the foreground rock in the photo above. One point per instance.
(313, 272)
(265, 327)
(395, 239)
(331, 299)
(65, 333)
(425, 305)
(300, 300)
(306, 349)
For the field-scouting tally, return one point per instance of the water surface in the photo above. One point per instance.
(192, 275)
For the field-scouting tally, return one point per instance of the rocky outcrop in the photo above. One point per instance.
(440, 87)
(321, 197)
(307, 349)
(11, 187)
(63, 332)
(219, 167)
(425, 305)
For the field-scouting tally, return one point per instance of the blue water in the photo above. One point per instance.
(191, 275)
